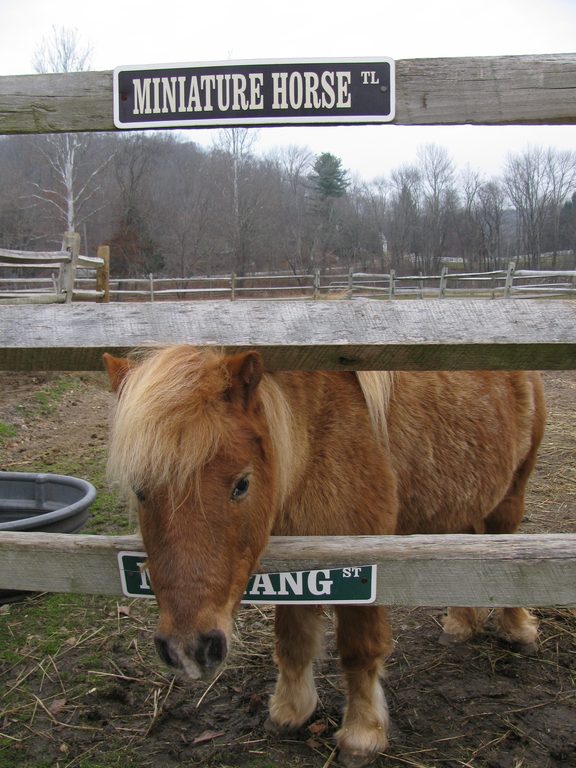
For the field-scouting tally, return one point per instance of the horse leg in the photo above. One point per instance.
(516, 625)
(299, 632)
(364, 640)
(460, 624)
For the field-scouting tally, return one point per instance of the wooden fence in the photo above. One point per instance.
(91, 282)
(60, 287)
(460, 334)
(509, 283)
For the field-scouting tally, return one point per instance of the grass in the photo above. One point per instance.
(28, 635)
(48, 398)
(7, 432)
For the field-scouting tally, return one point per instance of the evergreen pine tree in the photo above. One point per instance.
(328, 177)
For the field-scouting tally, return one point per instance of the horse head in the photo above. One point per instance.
(190, 441)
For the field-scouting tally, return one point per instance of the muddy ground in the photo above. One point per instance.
(81, 685)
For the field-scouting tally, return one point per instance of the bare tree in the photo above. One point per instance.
(527, 185)
(133, 247)
(62, 51)
(438, 202)
(295, 163)
(295, 240)
(403, 226)
(73, 177)
(538, 182)
(236, 145)
(184, 209)
(466, 224)
(561, 170)
(489, 209)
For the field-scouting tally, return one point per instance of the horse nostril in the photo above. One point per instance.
(211, 648)
(163, 650)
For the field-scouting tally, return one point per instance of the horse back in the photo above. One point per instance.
(459, 443)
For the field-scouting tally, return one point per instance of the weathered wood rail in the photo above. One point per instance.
(360, 335)
(529, 570)
(64, 265)
(491, 90)
(486, 571)
(416, 570)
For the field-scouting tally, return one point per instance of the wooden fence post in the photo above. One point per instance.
(103, 272)
(509, 280)
(72, 245)
(232, 286)
(316, 284)
(350, 290)
(391, 286)
(151, 282)
(443, 279)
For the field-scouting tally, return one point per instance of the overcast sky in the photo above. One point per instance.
(141, 32)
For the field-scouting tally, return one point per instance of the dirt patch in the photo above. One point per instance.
(57, 418)
(82, 686)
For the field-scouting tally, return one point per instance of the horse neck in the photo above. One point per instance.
(281, 420)
(294, 404)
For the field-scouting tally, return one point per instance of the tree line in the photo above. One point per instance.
(166, 205)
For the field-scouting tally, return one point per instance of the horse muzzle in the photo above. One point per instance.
(198, 659)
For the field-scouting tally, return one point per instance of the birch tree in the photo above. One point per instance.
(73, 183)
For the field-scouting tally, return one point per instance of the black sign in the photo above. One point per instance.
(256, 93)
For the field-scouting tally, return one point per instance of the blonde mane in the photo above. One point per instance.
(378, 389)
(171, 418)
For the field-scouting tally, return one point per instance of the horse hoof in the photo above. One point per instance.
(354, 759)
(450, 641)
(277, 730)
(526, 649)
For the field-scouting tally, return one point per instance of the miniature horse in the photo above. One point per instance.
(221, 455)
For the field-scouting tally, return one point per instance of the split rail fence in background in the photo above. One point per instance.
(363, 334)
(510, 283)
(61, 284)
(92, 283)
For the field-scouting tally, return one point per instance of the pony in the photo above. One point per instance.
(219, 455)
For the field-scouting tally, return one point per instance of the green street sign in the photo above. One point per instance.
(351, 585)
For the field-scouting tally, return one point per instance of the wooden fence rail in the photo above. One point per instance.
(485, 571)
(61, 286)
(488, 90)
(495, 284)
(363, 334)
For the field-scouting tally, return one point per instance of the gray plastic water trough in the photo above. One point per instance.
(44, 502)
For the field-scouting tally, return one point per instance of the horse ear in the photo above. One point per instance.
(117, 368)
(246, 369)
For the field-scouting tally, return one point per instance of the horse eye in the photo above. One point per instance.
(141, 496)
(240, 488)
